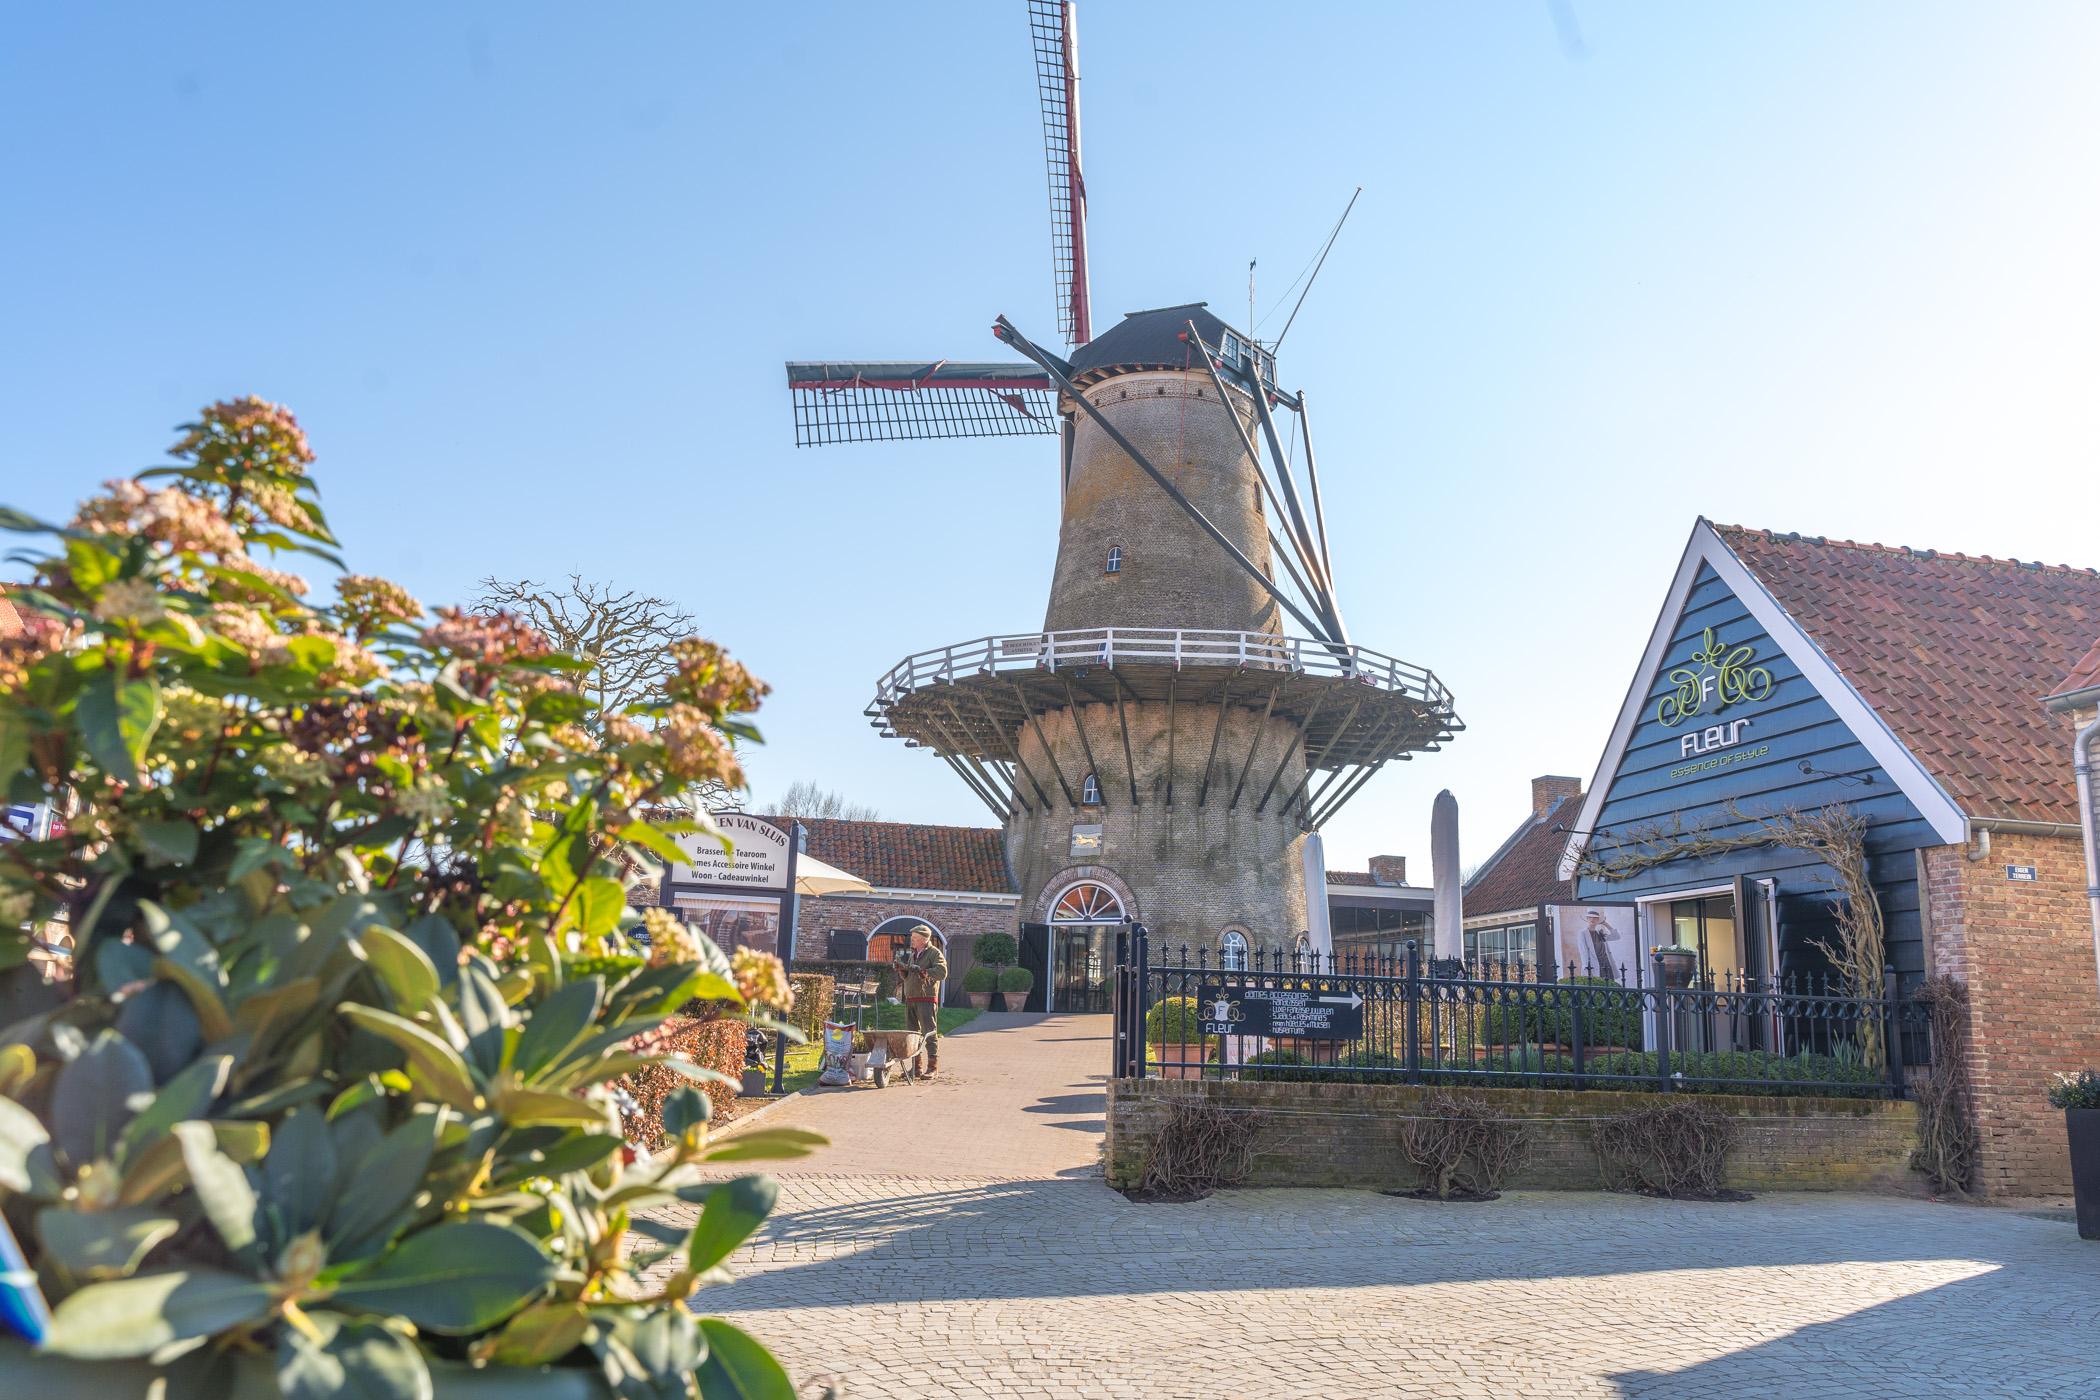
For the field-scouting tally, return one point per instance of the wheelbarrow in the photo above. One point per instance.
(854, 1057)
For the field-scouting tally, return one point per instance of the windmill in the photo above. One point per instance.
(1164, 746)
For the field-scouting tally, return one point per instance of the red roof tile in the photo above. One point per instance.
(10, 620)
(2085, 675)
(911, 856)
(1954, 651)
(1521, 874)
(1350, 877)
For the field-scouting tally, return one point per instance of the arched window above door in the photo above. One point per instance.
(1087, 902)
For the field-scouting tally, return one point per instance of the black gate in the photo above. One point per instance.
(1035, 956)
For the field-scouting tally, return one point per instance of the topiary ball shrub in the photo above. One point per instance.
(1015, 982)
(980, 980)
(997, 949)
(318, 1102)
(1173, 1021)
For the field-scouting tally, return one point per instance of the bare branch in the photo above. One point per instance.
(626, 634)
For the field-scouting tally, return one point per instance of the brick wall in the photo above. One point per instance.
(1349, 1135)
(960, 924)
(2025, 949)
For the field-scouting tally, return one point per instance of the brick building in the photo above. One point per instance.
(1793, 673)
(1507, 897)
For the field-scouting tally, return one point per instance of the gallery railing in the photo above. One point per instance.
(1356, 1018)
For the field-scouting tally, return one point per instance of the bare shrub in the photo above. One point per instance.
(1678, 1150)
(1199, 1149)
(1946, 1150)
(1462, 1149)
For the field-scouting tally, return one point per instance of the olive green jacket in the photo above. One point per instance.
(923, 973)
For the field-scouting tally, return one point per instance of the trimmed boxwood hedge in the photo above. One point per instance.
(1531, 1068)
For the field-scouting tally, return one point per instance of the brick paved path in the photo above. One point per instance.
(888, 1272)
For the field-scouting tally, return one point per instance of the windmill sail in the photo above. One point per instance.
(890, 400)
(1054, 30)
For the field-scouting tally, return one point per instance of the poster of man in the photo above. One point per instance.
(1596, 940)
(734, 924)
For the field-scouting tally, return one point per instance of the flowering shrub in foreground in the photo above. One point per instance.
(327, 1091)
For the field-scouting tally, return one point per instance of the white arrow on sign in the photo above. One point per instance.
(1352, 1000)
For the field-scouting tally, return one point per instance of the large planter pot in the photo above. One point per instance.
(1013, 1001)
(2083, 1127)
(1176, 1061)
(1676, 969)
(255, 1378)
(981, 1000)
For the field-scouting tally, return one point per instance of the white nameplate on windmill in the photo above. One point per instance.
(758, 859)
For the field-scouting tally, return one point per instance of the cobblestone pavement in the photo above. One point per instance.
(900, 1282)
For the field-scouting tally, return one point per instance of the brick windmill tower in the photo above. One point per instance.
(1162, 747)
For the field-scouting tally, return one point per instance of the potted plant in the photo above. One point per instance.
(1676, 965)
(2079, 1097)
(317, 1106)
(979, 982)
(998, 951)
(1014, 985)
(1174, 1037)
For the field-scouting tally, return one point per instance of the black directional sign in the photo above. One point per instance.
(1302, 1009)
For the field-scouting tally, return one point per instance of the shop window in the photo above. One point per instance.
(1232, 950)
(1115, 560)
(1090, 791)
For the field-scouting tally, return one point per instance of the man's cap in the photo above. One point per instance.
(917, 929)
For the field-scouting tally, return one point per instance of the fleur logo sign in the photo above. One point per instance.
(1717, 676)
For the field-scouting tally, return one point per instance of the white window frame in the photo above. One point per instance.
(1090, 790)
(1115, 560)
(1232, 939)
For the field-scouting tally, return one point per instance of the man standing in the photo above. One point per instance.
(924, 971)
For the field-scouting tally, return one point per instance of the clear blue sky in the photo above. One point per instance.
(528, 274)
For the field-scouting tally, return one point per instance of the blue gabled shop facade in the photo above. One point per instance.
(1736, 714)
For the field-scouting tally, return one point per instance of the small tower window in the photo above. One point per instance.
(1090, 791)
(1232, 951)
(1115, 560)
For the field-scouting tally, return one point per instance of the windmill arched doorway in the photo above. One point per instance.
(1083, 922)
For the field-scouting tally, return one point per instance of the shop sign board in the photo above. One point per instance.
(1291, 1008)
(757, 860)
(2022, 873)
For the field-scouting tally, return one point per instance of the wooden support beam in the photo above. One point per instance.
(1171, 681)
(1313, 762)
(1013, 748)
(976, 777)
(1012, 791)
(1123, 723)
(1086, 746)
(1296, 739)
(1253, 746)
(1037, 725)
(1224, 703)
(961, 772)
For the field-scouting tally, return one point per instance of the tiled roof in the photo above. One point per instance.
(911, 856)
(1954, 651)
(10, 620)
(1350, 877)
(1521, 874)
(2085, 675)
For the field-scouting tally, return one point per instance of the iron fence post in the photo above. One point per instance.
(1892, 1032)
(1665, 1025)
(1410, 1005)
(1141, 941)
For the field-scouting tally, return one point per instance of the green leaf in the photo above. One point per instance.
(96, 1095)
(436, 1066)
(411, 978)
(20, 1135)
(484, 1015)
(388, 1178)
(353, 1361)
(524, 1108)
(455, 1278)
(556, 1024)
(222, 1187)
(213, 1022)
(105, 1242)
(160, 1168)
(541, 1334)
(668, 1345)
(190, 1094)
(730, 1212)
(598, 905)
(762, 1143)
(645, 835)
(738, 1367)
(434, 934)
(139, 1316)
(168, 842)
(684, 1107)
(299, 1175)
(116, 718)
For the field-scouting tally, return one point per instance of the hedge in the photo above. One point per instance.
(715, 1045)
(854, 970)
(815, 993)
(1779, 1076)
(1173, 1021)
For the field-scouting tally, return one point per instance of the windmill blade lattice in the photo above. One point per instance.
(887, 401)
(1053, 30)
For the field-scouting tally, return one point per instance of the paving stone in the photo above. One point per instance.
(890, 1269)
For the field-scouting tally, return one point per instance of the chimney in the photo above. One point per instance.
(1388, 870)
(1547, 790)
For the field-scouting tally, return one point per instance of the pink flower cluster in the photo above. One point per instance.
(709, 679)
(369, 604)
(485, 639)
(695, 751)
(183, 522)
(251, 426)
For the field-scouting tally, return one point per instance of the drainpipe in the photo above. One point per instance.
(2082, 766)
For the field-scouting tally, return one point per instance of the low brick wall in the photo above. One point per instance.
(1349, 1134)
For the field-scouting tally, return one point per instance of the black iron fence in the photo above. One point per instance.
(1350, 1017)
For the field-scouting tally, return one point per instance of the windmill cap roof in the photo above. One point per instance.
(1150, 339)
